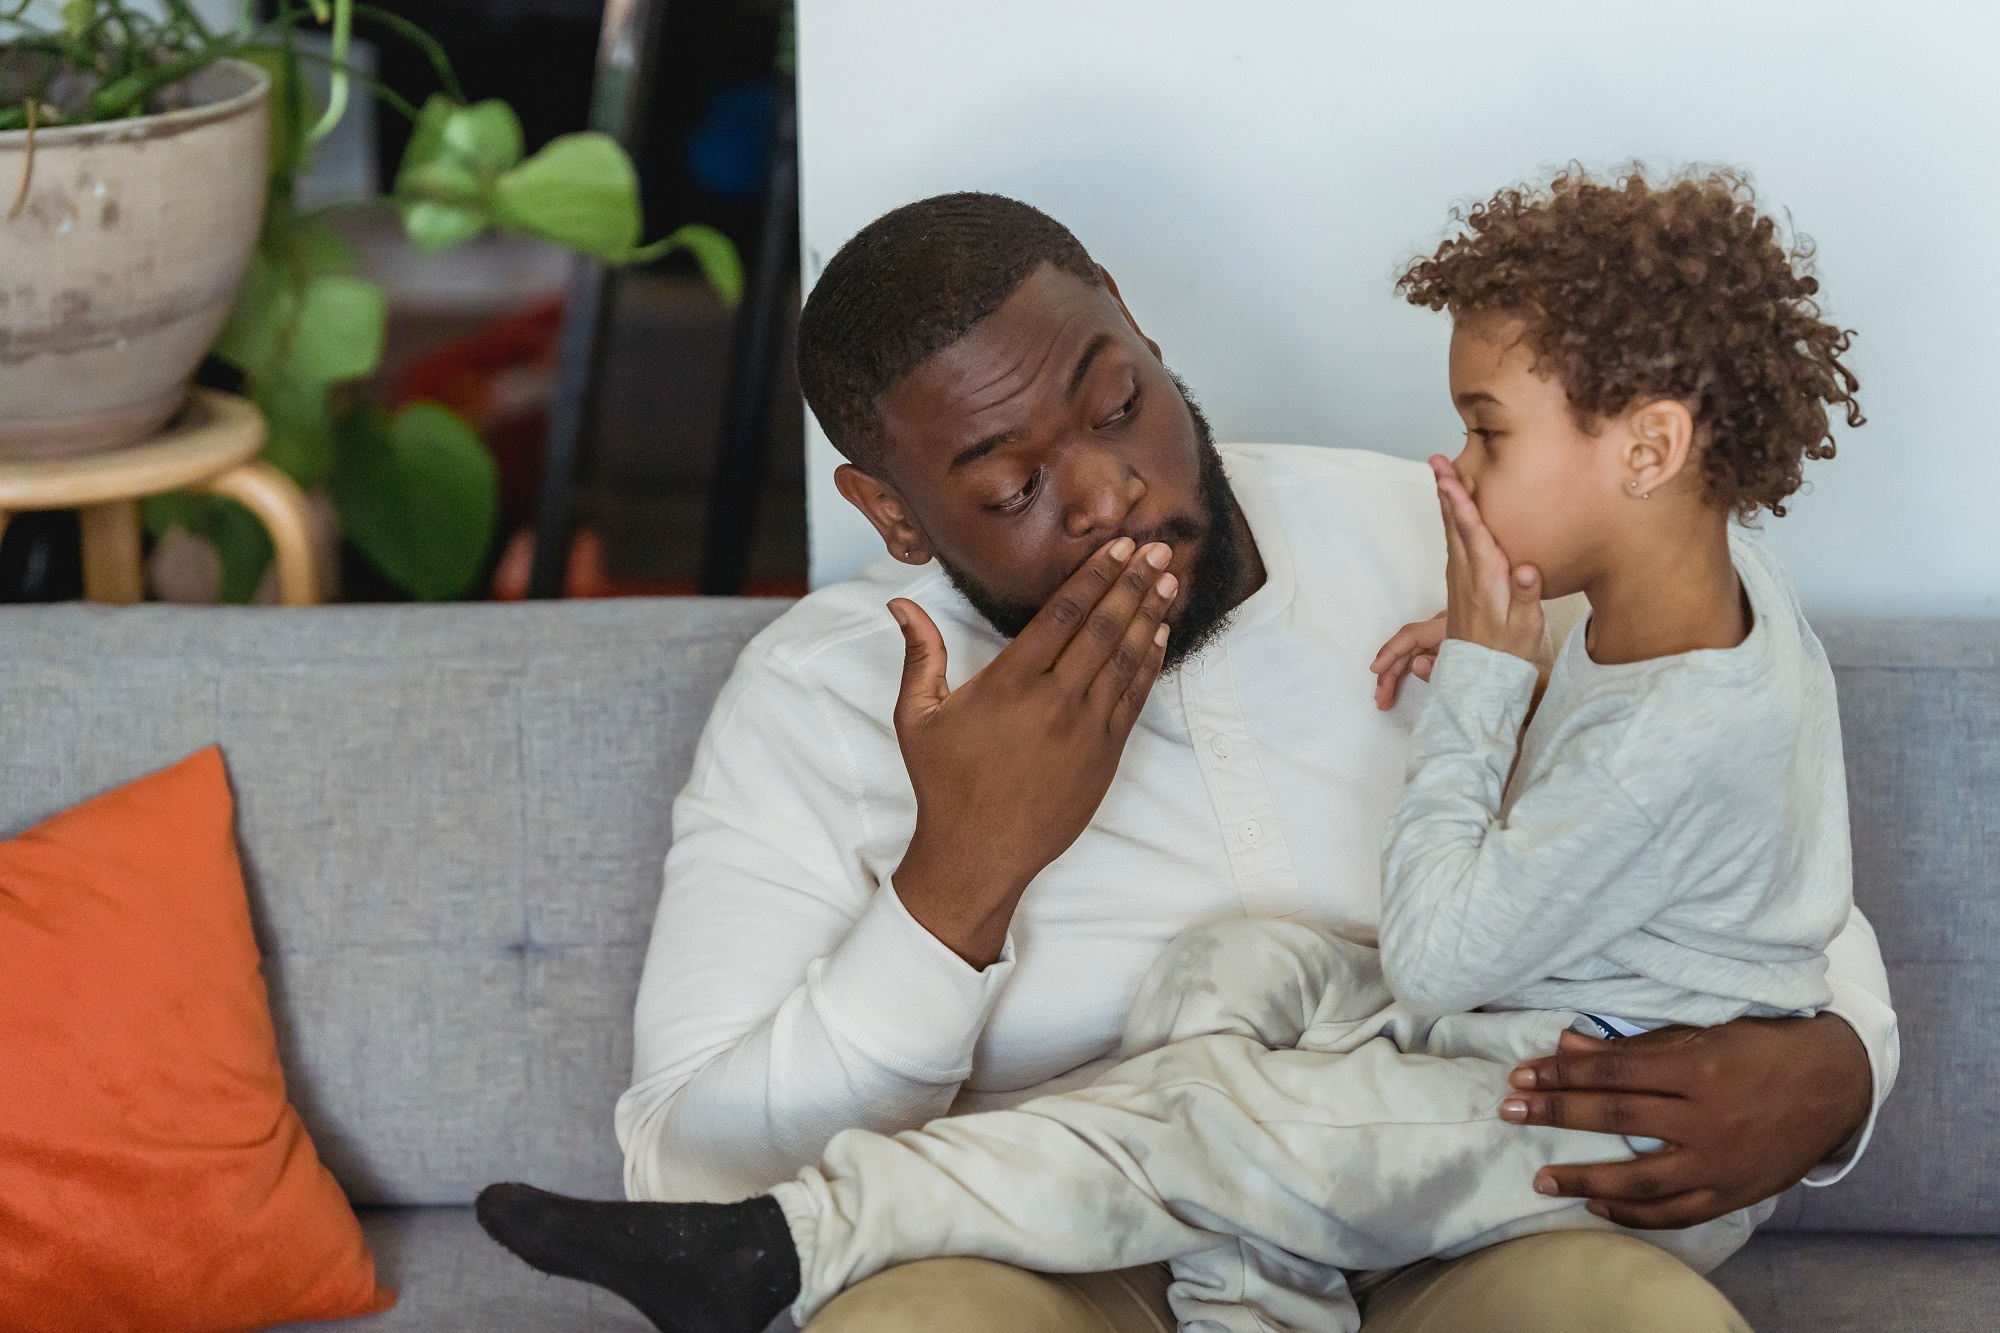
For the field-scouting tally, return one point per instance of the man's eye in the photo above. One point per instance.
(1125, 409)
(1024, 497)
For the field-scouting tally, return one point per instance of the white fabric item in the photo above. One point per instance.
(1371, 1145)
(788, 996)
(1671, 847)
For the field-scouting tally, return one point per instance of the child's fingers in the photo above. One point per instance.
(1454, 538)
(1462, 518)
(1389, 678)
(1412, 638)
(1482, 550)
(1386, 687)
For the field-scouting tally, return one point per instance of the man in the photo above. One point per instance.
(885, 903)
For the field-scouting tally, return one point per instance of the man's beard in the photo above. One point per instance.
(1218, 567)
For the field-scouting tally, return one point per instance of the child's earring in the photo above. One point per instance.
(1633, 485)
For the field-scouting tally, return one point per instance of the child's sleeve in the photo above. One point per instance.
(1474, 908)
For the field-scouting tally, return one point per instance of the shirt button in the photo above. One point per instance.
(1220, 745)
(1251, 831)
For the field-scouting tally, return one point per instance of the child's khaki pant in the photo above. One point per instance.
(1281, 1123)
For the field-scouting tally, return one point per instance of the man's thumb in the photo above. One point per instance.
(923, 687)
(1527, 584)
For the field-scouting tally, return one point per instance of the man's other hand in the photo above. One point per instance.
(1009, 767)
(1745, 1111)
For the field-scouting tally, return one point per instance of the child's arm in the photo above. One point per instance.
(1473, 908)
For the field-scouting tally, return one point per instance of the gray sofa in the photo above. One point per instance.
(453, 820)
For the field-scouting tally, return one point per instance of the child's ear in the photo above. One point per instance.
(1659, 444)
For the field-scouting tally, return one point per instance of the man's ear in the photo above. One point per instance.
(884, 507)
(1658, 446)
(1111, 285)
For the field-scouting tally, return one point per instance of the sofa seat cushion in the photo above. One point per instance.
(451, 1278)
(1795, 1282)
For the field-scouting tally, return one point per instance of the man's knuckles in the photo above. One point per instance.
(1065, 611)
(1107, 624)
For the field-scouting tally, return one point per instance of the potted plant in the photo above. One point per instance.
(214, 218)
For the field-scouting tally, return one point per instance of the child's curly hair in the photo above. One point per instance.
(1632, 292)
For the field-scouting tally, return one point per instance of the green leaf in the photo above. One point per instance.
(339, 331)
(432, 227)
(486, 135)
(310, 247)
(76, 17)
(444, 180)
(265, 305)
(713, 252)
(418, 495)
(298, 422)
(579, 191)
(426, 137)
(235, 533)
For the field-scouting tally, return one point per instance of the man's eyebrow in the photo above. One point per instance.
(972, 453)
(1475, 399)
(1096, 345)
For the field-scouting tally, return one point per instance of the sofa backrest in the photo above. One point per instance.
(453, 821)
(1920, 724)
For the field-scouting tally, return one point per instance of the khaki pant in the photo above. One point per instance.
(1267, 1172)
(1559, 1282)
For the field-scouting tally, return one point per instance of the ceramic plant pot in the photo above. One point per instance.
(121, 261)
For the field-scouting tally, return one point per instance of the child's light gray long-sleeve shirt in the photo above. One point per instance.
(1671, 846)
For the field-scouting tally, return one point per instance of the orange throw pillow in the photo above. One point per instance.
(153, 1175)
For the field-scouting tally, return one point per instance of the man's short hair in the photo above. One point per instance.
(907, 286)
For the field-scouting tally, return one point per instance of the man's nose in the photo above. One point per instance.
(1098, 490)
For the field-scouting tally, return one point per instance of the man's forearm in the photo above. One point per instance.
(738, 1127)
(878, 1034)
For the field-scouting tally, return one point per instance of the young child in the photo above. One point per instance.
(1665, 842)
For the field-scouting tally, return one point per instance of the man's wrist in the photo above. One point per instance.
(1846, 1047)
(967, 907)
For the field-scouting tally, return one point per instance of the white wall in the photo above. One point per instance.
(1255, 171)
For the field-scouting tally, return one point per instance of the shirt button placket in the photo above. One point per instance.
(1258, 859)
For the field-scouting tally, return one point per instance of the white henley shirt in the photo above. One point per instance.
(788, 995)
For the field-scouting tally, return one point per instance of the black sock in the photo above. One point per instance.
(689, 1267)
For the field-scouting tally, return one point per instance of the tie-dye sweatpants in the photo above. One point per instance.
(1280, 1121)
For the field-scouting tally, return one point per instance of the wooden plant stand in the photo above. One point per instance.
(212, 446)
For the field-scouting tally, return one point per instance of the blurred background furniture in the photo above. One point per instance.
(211, 445)
(685, 422)
(452, 821)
